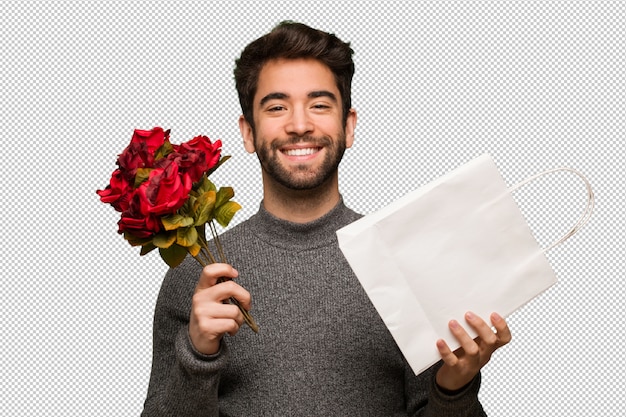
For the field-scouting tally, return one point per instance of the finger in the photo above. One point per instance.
(467, 343)
(214, 329)
(448, 357)
(217, 310)
(229, 326)
(208, 322)
(483, 330)
(502, 329)
(212, 273)
(222, 293)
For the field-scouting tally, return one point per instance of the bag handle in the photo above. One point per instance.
(584, 218)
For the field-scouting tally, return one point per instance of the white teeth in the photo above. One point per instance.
(300, 152)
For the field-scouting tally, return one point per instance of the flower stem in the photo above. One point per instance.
(209, 257)
(206, 251)
(216, 239)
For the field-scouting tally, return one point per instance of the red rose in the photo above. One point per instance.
(136, 222)
(136, 155)
(191, 163)
(166, 190)
(153, 138)
(203, 144)
(118, 192)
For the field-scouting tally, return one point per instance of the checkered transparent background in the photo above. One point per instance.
(536, 84)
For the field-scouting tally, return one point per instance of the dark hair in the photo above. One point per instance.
(291, 40)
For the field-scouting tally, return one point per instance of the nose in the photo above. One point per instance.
(299, 123)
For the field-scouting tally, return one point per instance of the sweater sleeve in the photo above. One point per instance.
(425, 399)
(183, 382)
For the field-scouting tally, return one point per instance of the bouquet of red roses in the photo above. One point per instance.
(166, 199)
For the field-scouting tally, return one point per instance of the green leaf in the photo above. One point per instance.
(173, 255)
(136, 241)
(186, 236)
(194, 249)
(223, 195)
(186, 208)
(164, 150)
(221, 161)
(175, 221)
(141, 176)
(201, 233)
(205, 185)
(224, 213)
(147, 248)
(164, 240)
(204, 209)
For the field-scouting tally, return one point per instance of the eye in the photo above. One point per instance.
(321, 106)
(276, 108)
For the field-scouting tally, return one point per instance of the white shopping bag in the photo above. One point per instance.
(457, 244)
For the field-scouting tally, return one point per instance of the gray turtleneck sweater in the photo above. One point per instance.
(322, 349)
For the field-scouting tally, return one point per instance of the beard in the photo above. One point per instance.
(302, 177)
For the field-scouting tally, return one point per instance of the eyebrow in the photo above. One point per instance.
(322, 93)
(273, 96)
(312, 94)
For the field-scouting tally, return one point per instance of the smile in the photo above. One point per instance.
(300, 151)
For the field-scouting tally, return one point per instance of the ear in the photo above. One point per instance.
(247, 134)
(350, 126)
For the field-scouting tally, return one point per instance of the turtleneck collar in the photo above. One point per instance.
(301, 236)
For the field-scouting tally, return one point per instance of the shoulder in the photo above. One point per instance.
(238, 233)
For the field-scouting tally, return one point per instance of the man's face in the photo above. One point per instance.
(299, 136)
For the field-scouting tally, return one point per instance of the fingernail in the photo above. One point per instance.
(495, 317)
(454, 324)
(469, 315)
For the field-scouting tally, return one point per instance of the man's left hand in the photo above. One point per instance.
(462, 365)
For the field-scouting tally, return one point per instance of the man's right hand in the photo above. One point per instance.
(211, 314)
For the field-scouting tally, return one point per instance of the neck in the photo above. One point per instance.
(300, 206)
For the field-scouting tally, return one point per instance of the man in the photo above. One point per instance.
(322, 349)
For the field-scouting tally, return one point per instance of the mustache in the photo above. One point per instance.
(320, 141)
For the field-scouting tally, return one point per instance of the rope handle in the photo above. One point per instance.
(586, 215)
